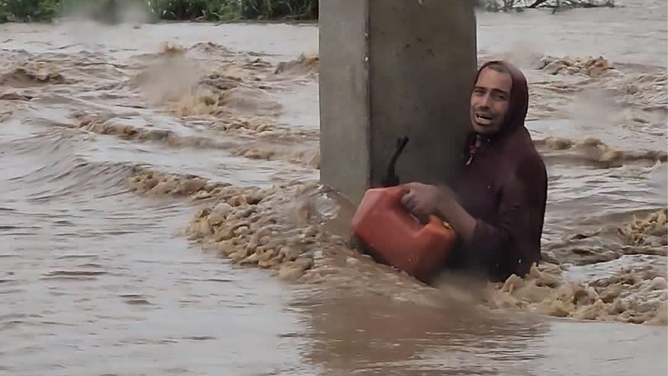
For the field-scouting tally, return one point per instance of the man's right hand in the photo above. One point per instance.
(422, 200)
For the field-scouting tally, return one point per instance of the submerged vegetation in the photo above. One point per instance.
(506, 5)
(205, 10)
(222, 10)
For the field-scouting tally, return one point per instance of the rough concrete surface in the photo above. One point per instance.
(416, 82)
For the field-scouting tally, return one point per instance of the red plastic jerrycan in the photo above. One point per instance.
(394, 237)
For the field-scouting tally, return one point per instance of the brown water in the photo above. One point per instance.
(132, 233)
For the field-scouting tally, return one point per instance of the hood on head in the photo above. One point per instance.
(519, 97)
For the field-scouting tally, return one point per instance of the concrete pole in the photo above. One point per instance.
(393, 68)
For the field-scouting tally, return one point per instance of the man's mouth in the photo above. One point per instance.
(483, 119)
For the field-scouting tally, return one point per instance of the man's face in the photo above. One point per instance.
(490, 101)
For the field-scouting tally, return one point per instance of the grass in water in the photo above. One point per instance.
(206, 10)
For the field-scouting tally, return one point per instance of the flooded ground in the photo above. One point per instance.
(161, 214)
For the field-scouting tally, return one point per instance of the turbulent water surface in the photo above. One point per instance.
(160, 212)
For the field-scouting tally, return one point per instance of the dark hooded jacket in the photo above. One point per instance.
(503, 185)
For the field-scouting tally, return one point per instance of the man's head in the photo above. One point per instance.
(499, 99)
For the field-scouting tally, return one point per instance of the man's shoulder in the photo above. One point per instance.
(530, 172)
(527, 161)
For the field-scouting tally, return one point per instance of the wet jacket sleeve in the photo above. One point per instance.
(517, 234)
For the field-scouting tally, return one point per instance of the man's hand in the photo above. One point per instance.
(423, 200)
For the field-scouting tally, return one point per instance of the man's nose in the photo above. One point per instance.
(486, 101)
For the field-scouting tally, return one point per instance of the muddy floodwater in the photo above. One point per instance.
(160, 212)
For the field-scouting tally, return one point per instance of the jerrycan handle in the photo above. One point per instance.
(436, 223)
(391, 179)
(415, 225)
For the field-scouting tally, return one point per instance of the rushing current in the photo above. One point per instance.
(161, 213)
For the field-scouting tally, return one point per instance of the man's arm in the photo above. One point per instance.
(521, 212)
(460, 220)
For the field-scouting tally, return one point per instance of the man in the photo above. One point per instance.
(497, 204)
